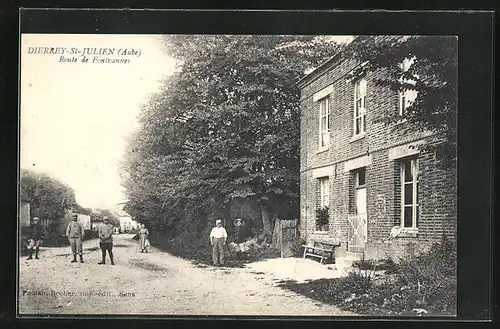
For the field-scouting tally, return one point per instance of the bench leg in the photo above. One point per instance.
(305, 250)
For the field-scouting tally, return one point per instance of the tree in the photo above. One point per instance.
(48, 197)
(433, 75)
(225, 126)
(113, 218)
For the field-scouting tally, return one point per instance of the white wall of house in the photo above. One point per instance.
(85, 221)
(24, 214)
(127, 223)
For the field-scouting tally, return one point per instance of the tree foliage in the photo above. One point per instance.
(433, 75)
(48, 197)
(99, 214)
(224, 126)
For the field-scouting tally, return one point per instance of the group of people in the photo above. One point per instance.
(218, 239)
(75, 233)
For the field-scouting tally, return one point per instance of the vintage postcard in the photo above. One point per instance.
(251, 175)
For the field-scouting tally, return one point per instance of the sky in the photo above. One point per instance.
(75, 117)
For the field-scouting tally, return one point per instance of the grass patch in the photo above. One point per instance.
(425, 281)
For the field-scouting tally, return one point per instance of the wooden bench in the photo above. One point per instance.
(321, 250)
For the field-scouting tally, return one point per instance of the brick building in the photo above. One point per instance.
(383, 194)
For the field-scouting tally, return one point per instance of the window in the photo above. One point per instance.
(359, 106)
(360, 177)
(409, 193)
(406, 96)
(324, 193)
(323, 209)
(324, 122)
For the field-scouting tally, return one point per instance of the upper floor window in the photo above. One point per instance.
(324, 122)
(359, 106)
(406, 96)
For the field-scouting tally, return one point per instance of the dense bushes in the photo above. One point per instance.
(188, 243)
(432, 276)
(424, 281)
(194, 243)
(296, 246)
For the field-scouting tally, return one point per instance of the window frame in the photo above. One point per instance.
(326, 114)
(406, 97)
(324, 191)
(414, 164)
(356, 177)
(360, 113)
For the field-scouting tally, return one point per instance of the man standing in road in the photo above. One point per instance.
(218, 237)
(75, 234)
(106, 240)
(36, 235)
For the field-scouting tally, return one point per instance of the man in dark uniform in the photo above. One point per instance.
(75, 233)
(35, 237)
(106, 240)
(239, 238)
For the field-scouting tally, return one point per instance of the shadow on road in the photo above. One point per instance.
(147, 265)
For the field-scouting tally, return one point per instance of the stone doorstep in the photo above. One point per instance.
(348, 258)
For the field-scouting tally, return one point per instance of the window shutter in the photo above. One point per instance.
(318, 193)
(396, 102)
(397, 193)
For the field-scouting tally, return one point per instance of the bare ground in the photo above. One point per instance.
(153, 283)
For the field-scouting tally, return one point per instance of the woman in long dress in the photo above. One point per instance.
(143, 238)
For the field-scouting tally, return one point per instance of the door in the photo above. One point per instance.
(357, 223)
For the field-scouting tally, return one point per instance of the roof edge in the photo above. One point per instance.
(322, 67)
(318, 70)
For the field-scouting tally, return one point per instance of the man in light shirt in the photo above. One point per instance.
(218, 238)
(75, 233)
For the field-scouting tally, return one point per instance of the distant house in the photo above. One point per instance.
(24, 209)
(96, 224)
(127, 223)
(381, 192)
(96, 221)
(83, 217)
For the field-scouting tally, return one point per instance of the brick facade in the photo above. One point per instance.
(380, 152)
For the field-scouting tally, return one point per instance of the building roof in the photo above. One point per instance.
(81, 210)
(335, 59)
(320, 69)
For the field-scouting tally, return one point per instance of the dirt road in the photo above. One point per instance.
(153, 283)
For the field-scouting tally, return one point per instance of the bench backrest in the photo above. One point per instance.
(324, 245)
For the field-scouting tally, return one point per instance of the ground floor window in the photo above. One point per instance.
(409, 192)
(323, 205)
